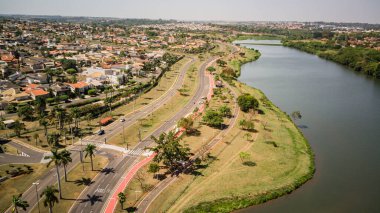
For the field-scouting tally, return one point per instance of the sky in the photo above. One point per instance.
(217, 10)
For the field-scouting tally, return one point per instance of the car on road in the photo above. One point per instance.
(101, 132)
(122, 119)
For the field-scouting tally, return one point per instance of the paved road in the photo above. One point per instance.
(49, 178)
(116, 127)
(152, 195)
(27, 155)
(105, 183)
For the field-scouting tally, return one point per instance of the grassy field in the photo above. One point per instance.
(156, 118)
(19, 184)
(280, 161)
(75, 185)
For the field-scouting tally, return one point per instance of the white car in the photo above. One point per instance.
(122, 119)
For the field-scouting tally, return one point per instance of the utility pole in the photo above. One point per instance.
(38, 203)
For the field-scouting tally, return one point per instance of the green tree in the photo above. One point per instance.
(53, 139)
(247, 124)
(169, 151)
(50, 198)
(25, 112)
(17, 201)
(154, 168)
(211, 69)
(221, 63)
(92, 92)
(75, 113)
(228, 71)
(68, 64)
(71, 71)
(66, 159)
(40, 106)
(63, 97)
(247, 102)
(56, 158)
(187, 124)
(122, 199)
(90, 151)
(225, 111)
(213, 118)
(18, 127)
(244, 156)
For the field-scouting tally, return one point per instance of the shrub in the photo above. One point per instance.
(247, 102)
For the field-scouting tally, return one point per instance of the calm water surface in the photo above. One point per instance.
(341, 110)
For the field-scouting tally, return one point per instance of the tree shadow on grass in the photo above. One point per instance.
(84, 181)
(131, 209)
(107, 171)
(249, 163)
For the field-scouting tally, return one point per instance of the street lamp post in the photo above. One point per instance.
(38, 203)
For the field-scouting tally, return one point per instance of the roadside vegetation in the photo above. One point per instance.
(17, 178)
(264, 154)
(364, 60)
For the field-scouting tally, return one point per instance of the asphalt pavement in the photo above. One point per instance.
(26, 155)
(105, 183)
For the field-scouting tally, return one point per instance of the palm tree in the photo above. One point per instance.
(18, 202)
(56, 158)
(90, 151)
(53, 139)
(75, 114)
(44, 123)
(66, 159)
(50, 198)
(122, 199)
(35, 137)
(40, 106)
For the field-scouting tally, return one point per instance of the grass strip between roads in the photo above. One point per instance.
(75, 184)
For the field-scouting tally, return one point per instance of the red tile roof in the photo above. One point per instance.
(39, 92)
(79, 85)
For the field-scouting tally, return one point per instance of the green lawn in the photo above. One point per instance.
(72, 189)
(19, 184)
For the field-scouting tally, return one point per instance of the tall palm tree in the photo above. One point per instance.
(18, 202)
(90, 151)
(66, 159)
(56, 158)
(53, 139)
(43, 122)
(75, 114)
(50, 198)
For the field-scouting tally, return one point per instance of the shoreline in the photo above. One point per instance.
(240, 202)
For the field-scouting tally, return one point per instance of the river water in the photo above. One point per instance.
(341, 120)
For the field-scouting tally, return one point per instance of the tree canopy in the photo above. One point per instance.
(247, 102)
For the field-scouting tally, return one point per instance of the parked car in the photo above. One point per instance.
(101, 132)
(122, 119)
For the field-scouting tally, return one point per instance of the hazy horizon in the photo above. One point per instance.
(352, 11)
